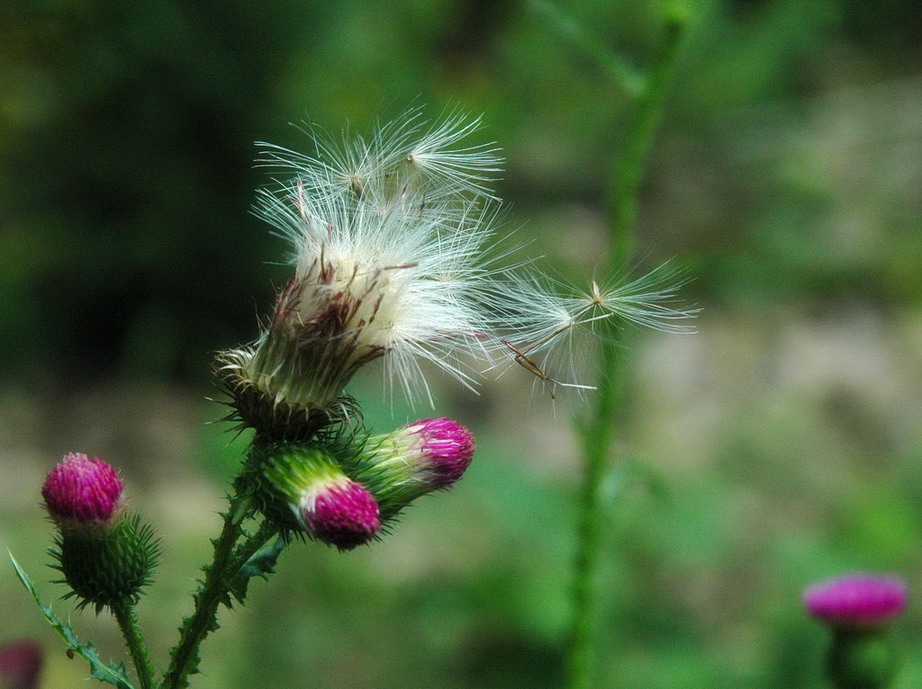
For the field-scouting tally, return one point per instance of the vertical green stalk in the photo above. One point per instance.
(598, 433)
(128, 622)
(212, 592)
(630, 165)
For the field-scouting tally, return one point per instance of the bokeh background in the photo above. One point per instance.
(779, 445)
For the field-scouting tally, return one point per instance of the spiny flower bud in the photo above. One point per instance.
(858, 608)
(857, 600)
(83, 492)
(419, 458)
(105, 558)
(305, 489)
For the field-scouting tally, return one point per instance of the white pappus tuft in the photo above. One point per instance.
(390, 235)
(548, 324)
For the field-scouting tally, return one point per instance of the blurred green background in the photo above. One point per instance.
(781, 444)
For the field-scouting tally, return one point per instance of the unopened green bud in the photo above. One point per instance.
(422, 457)
(303, 488)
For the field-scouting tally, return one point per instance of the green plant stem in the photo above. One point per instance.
(619, 72)
(212, 592)
(630, 165)
(128, 622)
(598, 432)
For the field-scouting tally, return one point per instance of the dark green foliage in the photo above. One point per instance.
(261, 563)
(862, 659)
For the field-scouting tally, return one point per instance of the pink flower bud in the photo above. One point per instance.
(20, 664)
(445, 449)
(83, 491)
(341, 513)
(856, 600)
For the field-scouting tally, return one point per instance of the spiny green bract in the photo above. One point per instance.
(106, 567)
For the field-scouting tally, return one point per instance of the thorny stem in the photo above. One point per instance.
(127, 619)
(212, 591)
(598, 432)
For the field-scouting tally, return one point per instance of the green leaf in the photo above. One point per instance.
(262, 563)
(114, 674)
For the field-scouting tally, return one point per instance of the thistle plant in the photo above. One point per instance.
(858, 609)
(391, 237)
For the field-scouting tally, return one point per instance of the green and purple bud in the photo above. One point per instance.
(106, 557)
(858, 608)
(419, 458)
(83, 492)
(306, 490)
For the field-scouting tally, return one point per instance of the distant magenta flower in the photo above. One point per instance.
(83, 492)
(857, 608)
(856, 600)
(419, 458)
(20, 664)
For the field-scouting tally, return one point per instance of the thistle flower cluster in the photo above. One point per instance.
(345, 492)
(391, 241)
(390, 236)
(858, 601)
(81, 492)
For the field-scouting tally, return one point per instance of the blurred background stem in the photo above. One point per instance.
(598, 433)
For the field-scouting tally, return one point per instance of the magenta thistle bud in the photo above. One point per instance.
(20, 664)
(83, 492)
(856, 600)
(105, 558)
(442, 449)
(419, 458)
(303, 488)
(340, 513)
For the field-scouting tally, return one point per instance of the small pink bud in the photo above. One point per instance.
(856, 600)
(20, 664)
(446, 449)
(341, 513)
(83, 491)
